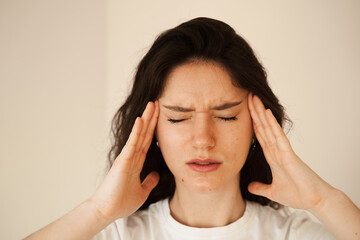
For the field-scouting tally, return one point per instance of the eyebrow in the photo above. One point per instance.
(220, 107)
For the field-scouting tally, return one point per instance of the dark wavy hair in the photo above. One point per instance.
(200, 39)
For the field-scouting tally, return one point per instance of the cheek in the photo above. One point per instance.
(240, 139)
(168, 134)
(171, 141)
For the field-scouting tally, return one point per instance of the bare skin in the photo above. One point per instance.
(294, 183)
(215, 117)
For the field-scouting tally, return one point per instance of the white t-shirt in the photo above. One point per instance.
(258, 222)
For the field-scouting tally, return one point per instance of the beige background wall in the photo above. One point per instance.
(52, 106)
(65, 66)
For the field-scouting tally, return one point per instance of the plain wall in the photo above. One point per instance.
(66, 66)
(53, 126)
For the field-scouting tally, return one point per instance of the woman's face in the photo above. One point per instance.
(204, 128)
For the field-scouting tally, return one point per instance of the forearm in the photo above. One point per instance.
(83, 222)
(340, 215)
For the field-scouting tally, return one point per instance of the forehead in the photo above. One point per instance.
(200, 82)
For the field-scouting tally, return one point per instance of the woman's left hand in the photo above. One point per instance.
(294, 183)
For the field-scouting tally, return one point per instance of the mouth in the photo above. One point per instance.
(204, 166)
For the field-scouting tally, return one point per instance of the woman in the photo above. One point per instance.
(208, 158)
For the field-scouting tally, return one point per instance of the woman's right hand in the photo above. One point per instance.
(121, 192)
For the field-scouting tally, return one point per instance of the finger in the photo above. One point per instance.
(146, 117)
(280, 136)
(264, 126)
(150, 182)
(148, 135)
(151, 128)
(258, 125)
(253, 113)
(128, 150)
(260, 189)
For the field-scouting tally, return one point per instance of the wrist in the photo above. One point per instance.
(330, 197)
(98, 215)
(339, 214)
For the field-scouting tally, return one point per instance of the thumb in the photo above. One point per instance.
(260, 189)
(150, 182)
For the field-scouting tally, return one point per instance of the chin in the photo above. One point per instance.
(205, 186)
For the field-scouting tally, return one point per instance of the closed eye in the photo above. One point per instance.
(175, 120)
(228, 119)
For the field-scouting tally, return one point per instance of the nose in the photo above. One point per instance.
(203, 132)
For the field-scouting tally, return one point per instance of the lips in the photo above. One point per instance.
(204, 165)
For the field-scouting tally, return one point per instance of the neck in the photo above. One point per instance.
(205, 210)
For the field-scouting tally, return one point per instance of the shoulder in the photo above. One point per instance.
(286, 223)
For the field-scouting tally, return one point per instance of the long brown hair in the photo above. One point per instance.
(203, 39)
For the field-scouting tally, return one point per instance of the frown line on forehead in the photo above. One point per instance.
(220, 107)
